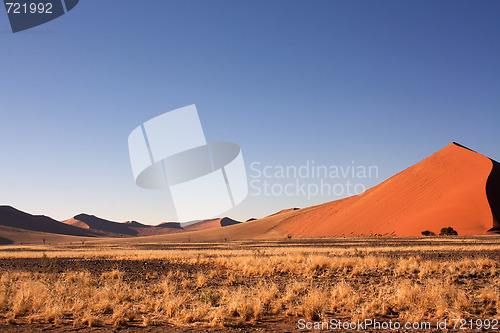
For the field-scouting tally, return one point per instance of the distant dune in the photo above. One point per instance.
(11, 217)
(122, 229)
(175, 225)
(216, 223)
(76, 223)
(204, 225)
(226, 221)
(20, 227)
(96, 223)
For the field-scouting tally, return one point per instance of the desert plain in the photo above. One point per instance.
(247, 285)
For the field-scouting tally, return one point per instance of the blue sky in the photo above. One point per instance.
(383, 83)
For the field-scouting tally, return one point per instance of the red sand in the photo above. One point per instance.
(286, 210)
(204, 225)
(447, 189)
(76, 223)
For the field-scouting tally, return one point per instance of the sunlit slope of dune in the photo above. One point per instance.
(446, 189)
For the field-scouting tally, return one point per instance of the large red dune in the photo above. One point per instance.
(446, 189)
(455, 187)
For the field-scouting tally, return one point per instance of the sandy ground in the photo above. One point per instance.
(141, 270)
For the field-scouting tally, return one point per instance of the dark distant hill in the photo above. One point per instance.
(96, 223)
(87, 225)
(11, 217)
(121, 229)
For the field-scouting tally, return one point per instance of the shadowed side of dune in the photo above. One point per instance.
(97, 223)
(5, 241)
(493, 195)
(226, 221)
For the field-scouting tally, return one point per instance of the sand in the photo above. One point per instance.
(447, 189)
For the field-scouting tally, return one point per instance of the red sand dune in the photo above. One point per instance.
(76, 223)
(215, 223)
(92, 222)
(204, 225)
(122, 229)
(11, 217)
(227, 221)
(446, 189)
(286, 210)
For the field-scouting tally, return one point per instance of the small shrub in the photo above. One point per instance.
(358, 253)
(428, 233)
(448, 231)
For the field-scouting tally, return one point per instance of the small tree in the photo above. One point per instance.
(428, 233)
(448, 231)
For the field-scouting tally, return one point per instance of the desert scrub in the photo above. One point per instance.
(448, 231)
(109, 299)
(234, 285)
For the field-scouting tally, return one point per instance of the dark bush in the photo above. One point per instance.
(428, 233)
(448, 231)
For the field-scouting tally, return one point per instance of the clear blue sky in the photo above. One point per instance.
(383, 83)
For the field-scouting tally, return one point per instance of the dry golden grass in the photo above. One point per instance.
(234, 284)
